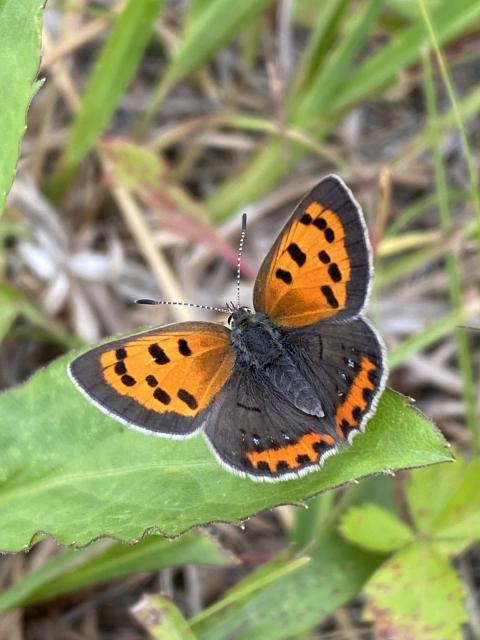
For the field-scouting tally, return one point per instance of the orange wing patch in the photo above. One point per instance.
(350, 412)
(308, 275)
(306, 450)
(179, 372)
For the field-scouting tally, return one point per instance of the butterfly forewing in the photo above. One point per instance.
(160, 380)
(319, 267)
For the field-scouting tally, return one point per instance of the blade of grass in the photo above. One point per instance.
(209, 28)
(322, 38)
(430, 335)
(329, 81)
(469, 107)
(113, 72)
(450, 18)
(252, 584)
(462, 338)
(406, 264)
(432, 29)
(412, 212)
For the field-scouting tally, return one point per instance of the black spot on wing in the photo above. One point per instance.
(296, 254)
(329, 235)
(334, 272)
(329, 296)
(151, 381)
(121, 353)
(158, 354)
(128, 381)
(162, 396)
(323, 257)
(303, 459)
(284, 276)
(320, 223)
(183, 348)
(247, 408)
(120, 368)
(306, 219)
(187, 398)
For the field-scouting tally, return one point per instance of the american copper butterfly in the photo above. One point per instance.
(285, 385)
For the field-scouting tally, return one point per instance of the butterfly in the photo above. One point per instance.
(284, 385)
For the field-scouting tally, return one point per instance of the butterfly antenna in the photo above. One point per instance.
(182, 304)
(239, 257)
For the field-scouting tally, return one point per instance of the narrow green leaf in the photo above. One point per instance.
(22, 591)
(296, 602)
(100, 562)
(113, 72)
(20, 37)
(74, 473)
(321, 40)
(375, 529)
(416, 594)
(405, 49)
(315, 102)
(431, 334)
(254, 582)
(162, 619)
(209, 28)
(453, 267)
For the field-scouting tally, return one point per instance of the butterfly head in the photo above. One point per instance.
(239, 317)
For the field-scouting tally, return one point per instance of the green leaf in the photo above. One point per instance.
(20, 36)
(445, 504)
(416, 594)
(211, 25)
(381, 68)
(113, 72)
(321, 40)
(375, 529)
(295, 602)
(328, 82)
(75, 473)
(162, 619)
(100, 562)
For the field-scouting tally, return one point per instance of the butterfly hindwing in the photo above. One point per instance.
(268, 437)
(347, 365)
(159, 381)
(320, 265)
